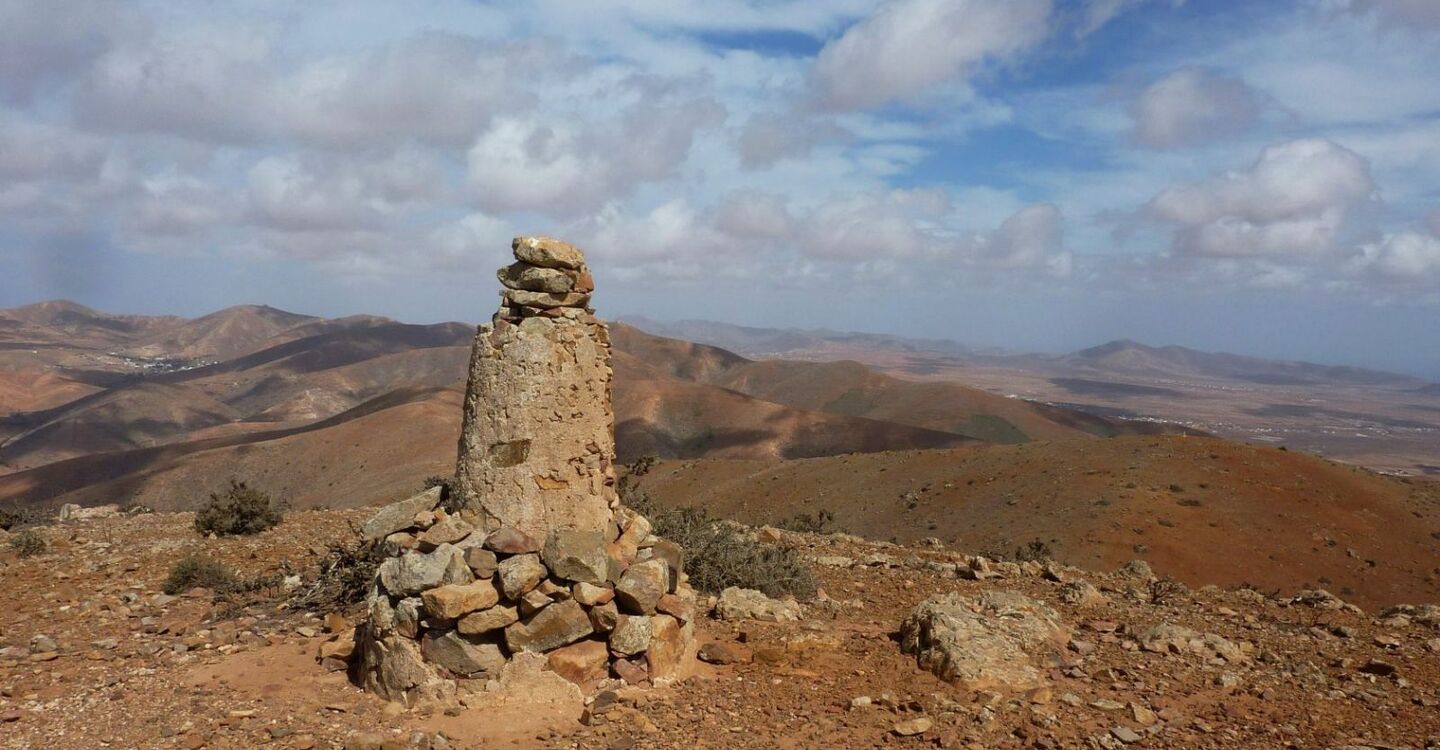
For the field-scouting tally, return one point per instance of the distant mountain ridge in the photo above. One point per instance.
(1118, 357)
(96, 406)
(1125, 356)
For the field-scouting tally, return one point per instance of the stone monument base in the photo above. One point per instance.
(453, 604)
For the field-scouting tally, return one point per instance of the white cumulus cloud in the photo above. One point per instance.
(1291, 202)
(909, 46)
(1406, 258)
(1191, 106)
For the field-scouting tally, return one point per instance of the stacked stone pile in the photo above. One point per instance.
(533, 553)
(549, 279)
(454, 602)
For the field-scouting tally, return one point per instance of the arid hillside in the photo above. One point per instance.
(1386, 421)
(159, 411)
(1200, 509)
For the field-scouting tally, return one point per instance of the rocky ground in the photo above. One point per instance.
(93, 655)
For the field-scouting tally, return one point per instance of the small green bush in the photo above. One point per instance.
(195, 570)
(27, 543)
(719, 555)
(239, 510)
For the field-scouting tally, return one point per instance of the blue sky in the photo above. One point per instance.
(1259, 177)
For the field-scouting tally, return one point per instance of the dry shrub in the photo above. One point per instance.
(805, 523)
(16, 517)
(27, 543)
(1165, 590)
(345, 577)
(196, 570)
(719, 554)
(239, 510)
(1036, 550)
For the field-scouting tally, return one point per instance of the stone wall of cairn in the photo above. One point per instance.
(534, 553)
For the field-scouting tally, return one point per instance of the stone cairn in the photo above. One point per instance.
(533, 552)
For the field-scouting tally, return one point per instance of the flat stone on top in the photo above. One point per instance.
(548, 252)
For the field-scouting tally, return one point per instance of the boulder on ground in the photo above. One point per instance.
(990, 643)
(748, 604)
(1174, 639)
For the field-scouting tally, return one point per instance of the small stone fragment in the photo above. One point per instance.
(720, 652)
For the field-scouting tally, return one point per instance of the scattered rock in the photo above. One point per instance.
(1081, 594)
(719, 652)
(748, 604)
(1173, 639)
(912, 727)
(983, 644)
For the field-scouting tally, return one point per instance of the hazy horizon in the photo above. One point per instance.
(644, 318)
(1037, 175)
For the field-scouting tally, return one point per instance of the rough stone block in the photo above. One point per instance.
(581, 662)
(631, 635)
(519, 574)
(456, 600)
(641, 587)
(488, 620)
(557, 625)
(576, 555)
(461, 655)
(399, 516)
(414, 572)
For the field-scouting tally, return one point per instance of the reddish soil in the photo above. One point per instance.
(1202, 510)
(136, 670)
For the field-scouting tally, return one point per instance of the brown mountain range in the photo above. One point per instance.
(161, 411)
(101, 407)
